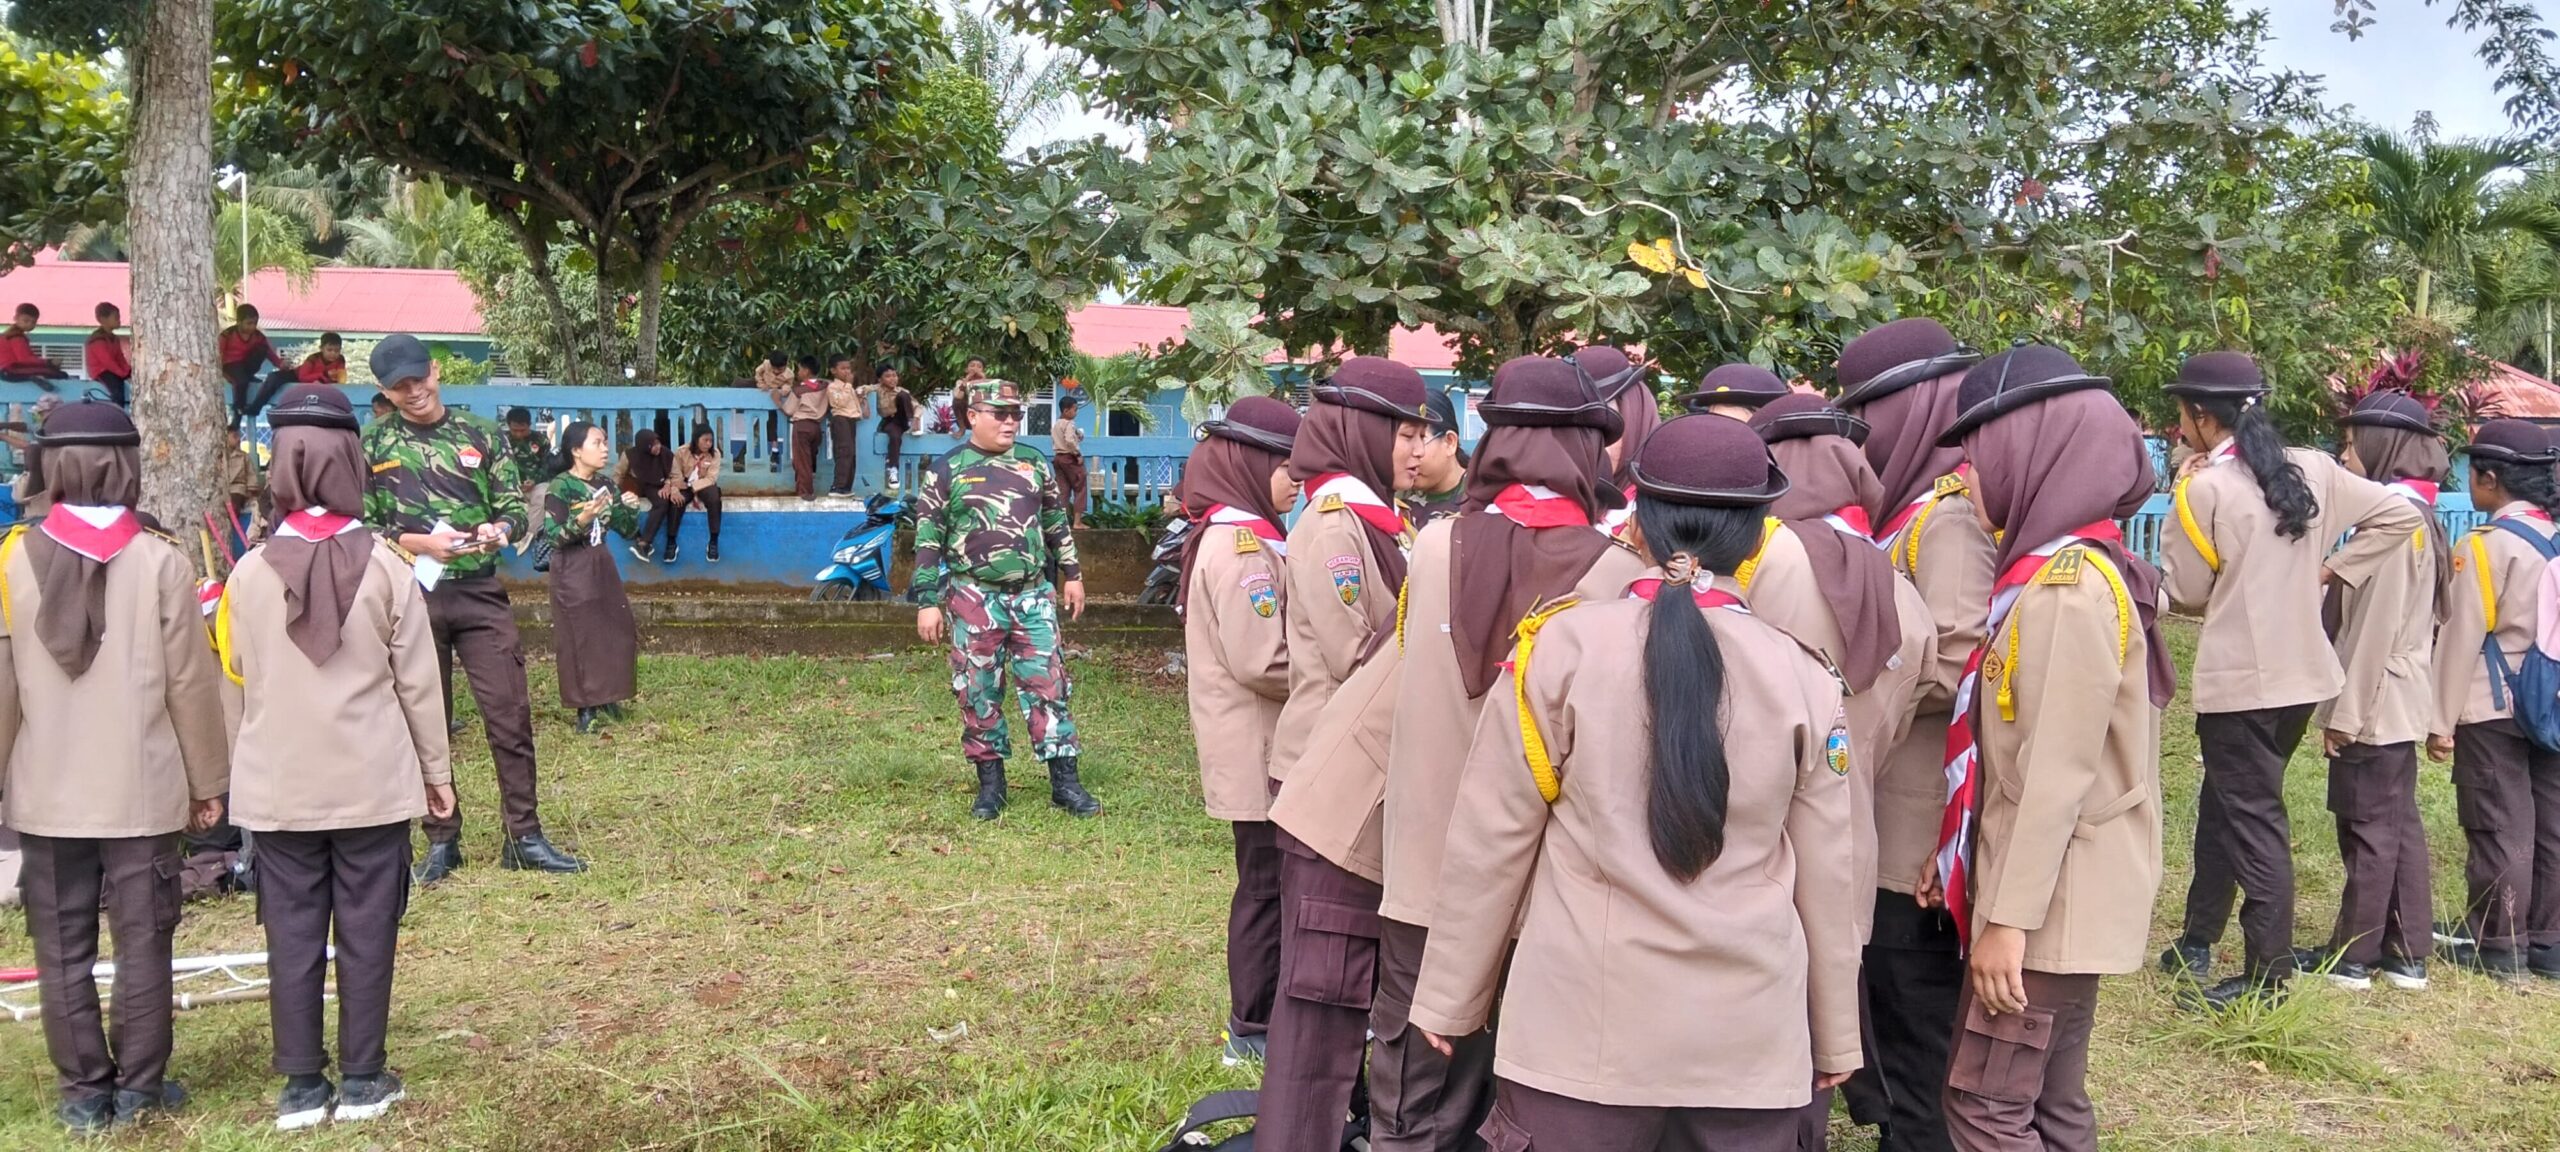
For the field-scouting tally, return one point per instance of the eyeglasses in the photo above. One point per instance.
(1006, 417)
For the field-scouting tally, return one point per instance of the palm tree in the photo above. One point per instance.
(424, 224)
(275, 240)
(1029, 92)
(1122, 384)
(2432, 201)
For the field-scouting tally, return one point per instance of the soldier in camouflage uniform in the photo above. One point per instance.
(989, 522)
(435, 466)
(535, 467)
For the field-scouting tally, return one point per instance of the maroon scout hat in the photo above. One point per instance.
(313, 406)
(1708, 460)
(2513, 442)
(1377, 384)
(1542, 392)
(1606, 369)
(2012, 380)
(1259, 421)
(1891, 357)
(1802, 414)
(1740, 385)
(2218, 376)
(89, 422)
(2391, 410)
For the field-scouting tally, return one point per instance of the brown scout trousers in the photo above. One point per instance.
(1525, 1119)
(64, 881)
(1320, 1019)
(2508, 794)
(1912, 972)
(2019, 1083)
(2386, 909)
(2243, 837)
(1420, 1100)
(808, 439)
(357, 881)
(475, 627)
(842, 433)
(1253, 930)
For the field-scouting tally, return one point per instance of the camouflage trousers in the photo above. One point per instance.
(993, 632)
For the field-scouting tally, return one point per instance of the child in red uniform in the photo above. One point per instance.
(19, 359)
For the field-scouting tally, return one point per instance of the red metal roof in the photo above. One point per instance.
(2512, 392)
(1111, 329)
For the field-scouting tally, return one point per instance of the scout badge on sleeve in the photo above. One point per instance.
(1265, 596)
(1835, 750)
(1346, 578)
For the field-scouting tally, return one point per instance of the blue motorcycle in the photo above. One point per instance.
(863, 555)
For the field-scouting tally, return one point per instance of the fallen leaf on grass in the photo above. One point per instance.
(959, 1031)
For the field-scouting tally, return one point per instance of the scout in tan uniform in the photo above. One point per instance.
(1234, 604)
(1735, 390)
(1361, 441)
(2051, 857)
(111, 711)
(1527, 537)
(2506, 788)
(2385, 637)
(1665, 792)
(342, 742)
(1901, 379)
(2252, 547)
(1628, 387)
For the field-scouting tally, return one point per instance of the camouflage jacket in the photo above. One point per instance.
(1422, 509)
(560, 512)
(533, 458)
(457, 471)
(990, 519)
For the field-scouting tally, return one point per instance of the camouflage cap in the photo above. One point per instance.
(997, 394)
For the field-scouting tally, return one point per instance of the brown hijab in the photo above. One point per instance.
(1902, 445)
(2387, 454)
(1642, 412)
(1498, 569)
(318, 470)
(73, 615)
(2063, 462)
(1362, 444)
(1856, 578)
(1232, 466)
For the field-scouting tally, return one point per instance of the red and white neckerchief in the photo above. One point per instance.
(1850, 520)
(1613, 523)
(97, 531)
(1223, 515)
(2422, 491)
(1534, 506)
(1363, 502)
(1707, 595)
(1964, 756)
(318, 525)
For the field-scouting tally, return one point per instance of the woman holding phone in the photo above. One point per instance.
(591, 623)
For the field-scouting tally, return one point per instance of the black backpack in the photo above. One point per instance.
(1242, 1105)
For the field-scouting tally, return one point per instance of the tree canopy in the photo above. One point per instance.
(61, 150)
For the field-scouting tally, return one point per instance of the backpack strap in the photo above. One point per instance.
(1542, 768)
(2503, 674)
(1214, 1108)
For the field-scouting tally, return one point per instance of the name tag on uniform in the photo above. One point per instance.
(385, 466)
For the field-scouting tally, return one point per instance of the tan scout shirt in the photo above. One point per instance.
(2262, 645)
(799, 401)
(1951, 563)
(1434, 720)
(124, 749)
(1786, 592)
(846, 398)
(1330, 804)
(694, 473)
(1336, 603)
(2070, 786)
(1630, 987)
(2386, 640)
(352, 743)
(1235, 632)
(2514, 570)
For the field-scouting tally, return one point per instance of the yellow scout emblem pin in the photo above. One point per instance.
(2065, 568)
(1246, 542)
(1950, 484)
(1332, 503)
(1835, 751)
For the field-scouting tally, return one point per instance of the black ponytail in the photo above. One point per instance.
(2280, 480)
(2534, 484)
(1684, 683)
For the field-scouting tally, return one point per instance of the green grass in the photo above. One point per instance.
(792, 916)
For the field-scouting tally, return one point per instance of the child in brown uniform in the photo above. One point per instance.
(2386, 633)
(2255, 543)
(1668, 801)
(1234, 605)
(2506, 787)
(111, 711)
(2050, 854)
(342, 743)
(1361, 442)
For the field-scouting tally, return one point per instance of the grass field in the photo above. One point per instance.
(796, 938)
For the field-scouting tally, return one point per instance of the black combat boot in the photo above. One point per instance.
(535, 853)
(587, 721)
(1066, 791)
(990, 790)
(444, 858)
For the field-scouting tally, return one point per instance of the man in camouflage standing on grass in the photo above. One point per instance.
(989, 521)
(444, 489)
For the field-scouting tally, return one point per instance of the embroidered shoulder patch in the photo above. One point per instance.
(1347, 572)
(1247, 542)
(1835, 751)
(1262, 594)
(1949, 484)
(2065, 568)
(1331, 503)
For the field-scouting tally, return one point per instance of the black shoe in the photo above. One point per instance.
(2189, 959)
(370, 1096)
(2543, 960)
(1067, 792)
(87, 1115)
(136, 1107)
(2455, 932)
(642, 552)
(2231, 992)
(990, 790)
(305, 1102)
(1244, 1050)
(586, 721)
(444, 858)
(533, 853)
(2403, 973)
(615, 712)
(712, 553)
(670, 555)
(2501, 963)
(2335, 966)
(455, 726)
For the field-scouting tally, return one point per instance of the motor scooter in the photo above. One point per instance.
(860, 570)
(1164, 581)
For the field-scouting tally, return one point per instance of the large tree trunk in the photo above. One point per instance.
(653, 297)
(608, 354)
(177, 392)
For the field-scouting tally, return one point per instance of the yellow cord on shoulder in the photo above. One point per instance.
(2480, 572)
(2008, 697)
(1742, 575)
(8, 544)
(222, 646)
(1911, 537)
(1401, 589)
(2195, 531)
(1541, 767)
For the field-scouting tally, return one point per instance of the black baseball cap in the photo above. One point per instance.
(398, 358)
(1443, 412)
